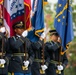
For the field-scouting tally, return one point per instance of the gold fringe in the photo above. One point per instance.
(62, 53)
(38, 31)
(45, 3)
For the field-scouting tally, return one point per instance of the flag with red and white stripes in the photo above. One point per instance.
(14, 11)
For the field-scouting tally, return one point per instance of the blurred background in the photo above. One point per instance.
(50, 11)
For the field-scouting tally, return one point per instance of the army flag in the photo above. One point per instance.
(37, 20)
(63, 22)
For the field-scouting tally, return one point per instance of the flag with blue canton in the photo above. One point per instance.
(13, 12)
(37, 20)
(63, 22)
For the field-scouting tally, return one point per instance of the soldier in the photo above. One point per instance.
(39, 65)
(57, 61)
(3, 57)
(22, 53)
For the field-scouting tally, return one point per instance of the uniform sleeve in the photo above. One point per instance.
(30, 50)
(52, 47)
(37, 45)
(65, 60)
(17, 43)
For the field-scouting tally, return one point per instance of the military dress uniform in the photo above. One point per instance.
(55, 57)
(36, 66)
(53, 49)
(3, 57)
(18, 45)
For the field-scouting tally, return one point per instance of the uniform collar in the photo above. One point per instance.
(18, 35)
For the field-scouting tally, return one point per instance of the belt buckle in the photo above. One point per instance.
(24, 68)
(42, 71)
(58, 71)
(1, 65)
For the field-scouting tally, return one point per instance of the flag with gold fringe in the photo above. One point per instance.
(37, 20)
(63, 22)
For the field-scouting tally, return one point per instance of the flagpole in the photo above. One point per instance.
(66, 19)
(42, 51)
(25, 45)
(2, 65)
(2, 37)
(59, 72)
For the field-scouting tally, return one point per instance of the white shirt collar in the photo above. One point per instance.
(18, 35)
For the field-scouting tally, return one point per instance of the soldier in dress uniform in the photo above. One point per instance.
(3, 57)
(38, 68)
(57, 61)
(21, 52)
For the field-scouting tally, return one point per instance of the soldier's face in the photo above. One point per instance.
(19, 31)
(54, 38)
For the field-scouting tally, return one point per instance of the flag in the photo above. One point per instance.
(27, 4)
(37, 20)
(63, 22)
(14, 11)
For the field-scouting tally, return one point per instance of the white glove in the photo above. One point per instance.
(26, 63)
(44, 67)
(2, 29)
(43, 35)
(2, 61)
(60, 67)
(25, 33)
